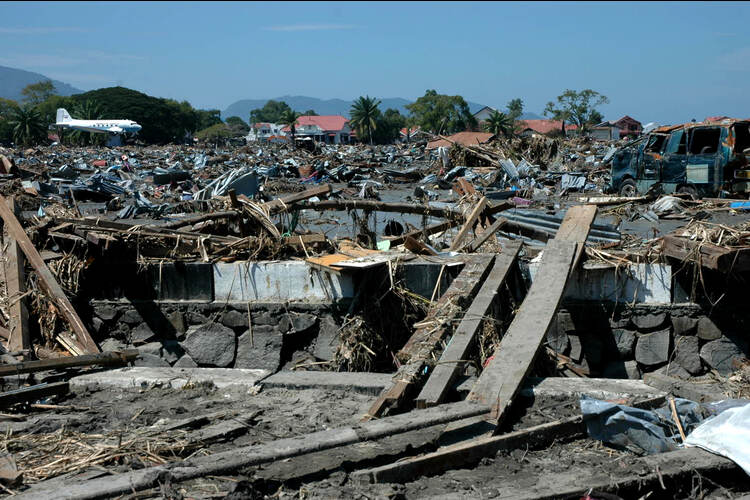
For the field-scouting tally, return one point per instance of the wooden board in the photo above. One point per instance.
(451, 364)
(469, 224)
(431, 331)
(15, 276)
(80, 337)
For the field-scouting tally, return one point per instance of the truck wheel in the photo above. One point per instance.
(628, 188)
(689, 190)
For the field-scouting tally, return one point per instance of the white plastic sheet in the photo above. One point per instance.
(727, 434)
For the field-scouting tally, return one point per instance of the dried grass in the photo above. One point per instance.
(44, 456)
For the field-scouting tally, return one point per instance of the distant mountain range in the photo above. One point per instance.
(13, 80)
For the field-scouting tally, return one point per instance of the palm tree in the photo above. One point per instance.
(289, 118)
(27, 125)
(499, 123)
(364, 113)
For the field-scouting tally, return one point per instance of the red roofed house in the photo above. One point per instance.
(330, 129)
(531, 127)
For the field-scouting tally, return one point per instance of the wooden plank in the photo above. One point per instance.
(423, 342)
(427, 231)
(33, 393)
(474, 245)
(418, 247)
(575, 227)
(241, 457)
(512, 360)
(708, 255)
(105, 358)
(467, 453)
(15, 279)
(81, 336)
(452, 360)
(469, 224)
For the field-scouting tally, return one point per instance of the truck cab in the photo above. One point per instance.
(702, 159)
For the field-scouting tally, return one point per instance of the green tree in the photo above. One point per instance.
(289, 118)
(576, 107)
(237, 125)
(48, 108)
(27, 125)
(515, 108)
(271, 112)
(389, 125)
(310, 112)
(500, 124)
(7, 110)
(217, 133)
(365, 114)
(440, 113)
(35, 93)
(163, 120)
(207, 118)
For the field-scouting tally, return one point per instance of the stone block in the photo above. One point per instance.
(684, 325)
(234, 319)
(177, 320)
(576, 349)
(150, 360)
(720, 355)
(687, 354)
(259, 348)
(328, 339)
(557, 339)
(106, 312)
(624, 341)
(707, 329)
(141, 334)
(649, 322)
(131, 317)
(296, 322)
(674, 370)
(111, 344)
(622, 369)
(186, 362)
(153, 348)
(653, 348)
(172, 351)
(212, 344)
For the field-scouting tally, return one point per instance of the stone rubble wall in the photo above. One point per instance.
(626, 342)
(216, 334)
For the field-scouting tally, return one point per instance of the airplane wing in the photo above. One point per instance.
(115, 130)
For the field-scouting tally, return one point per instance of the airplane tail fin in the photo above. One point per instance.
(63, 116)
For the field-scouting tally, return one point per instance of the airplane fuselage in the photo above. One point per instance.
(102, 126)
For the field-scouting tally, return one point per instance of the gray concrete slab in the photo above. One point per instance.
(362, 382)
(600, 388)
(176, 378)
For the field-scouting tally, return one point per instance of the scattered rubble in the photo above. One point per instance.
(183, 321)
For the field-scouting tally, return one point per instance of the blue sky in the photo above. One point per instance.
(665, 62)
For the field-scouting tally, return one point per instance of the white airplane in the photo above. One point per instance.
(101, 126)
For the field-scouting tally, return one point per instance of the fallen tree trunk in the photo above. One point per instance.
(379, 206)
(105, 358)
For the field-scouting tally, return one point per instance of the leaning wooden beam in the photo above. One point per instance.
(426, 231)
(477, 242)
(105, 358)
(15, 280)
(80, 338)
(426, 338)
(33, 393)
(467, 453)
(576, 227)
(469, 224)
(512, 360)
(452, 360)
(239, 458)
